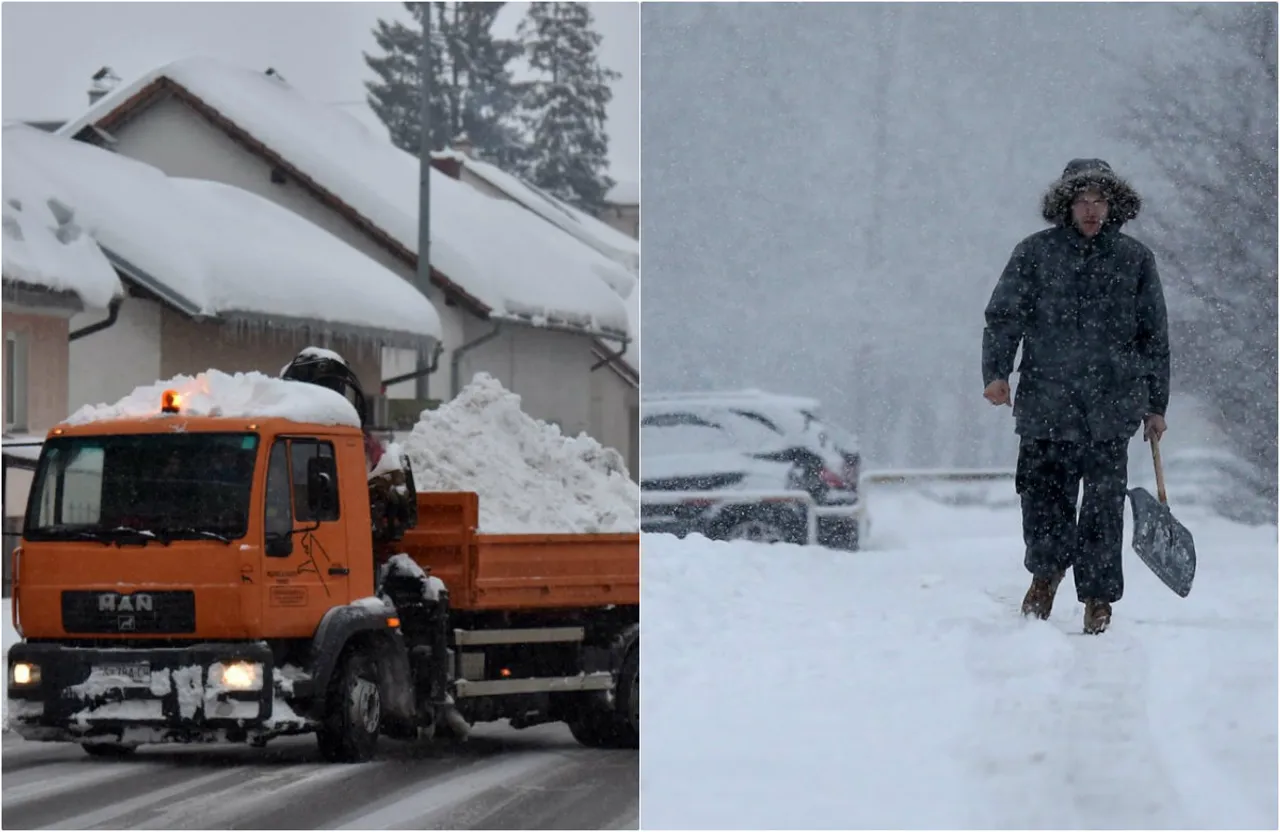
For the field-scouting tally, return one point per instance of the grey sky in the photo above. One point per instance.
(51, 49)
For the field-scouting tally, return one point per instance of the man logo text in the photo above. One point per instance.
(111, 602)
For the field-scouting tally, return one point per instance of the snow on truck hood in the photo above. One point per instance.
(218, 248)
(243, 395)
(499, 252)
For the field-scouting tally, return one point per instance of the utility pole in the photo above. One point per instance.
(424, 187)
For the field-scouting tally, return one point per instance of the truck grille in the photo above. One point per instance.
(105, 611)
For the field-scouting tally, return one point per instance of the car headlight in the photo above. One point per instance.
(242, 676)
(24, 674)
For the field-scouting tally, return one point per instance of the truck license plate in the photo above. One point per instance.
(138, 673)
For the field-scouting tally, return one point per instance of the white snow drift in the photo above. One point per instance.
(529, 476)
(797, 688)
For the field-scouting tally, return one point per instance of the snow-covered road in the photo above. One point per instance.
(793, 687)
(539, 778)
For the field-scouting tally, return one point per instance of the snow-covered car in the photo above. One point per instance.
(728, 467)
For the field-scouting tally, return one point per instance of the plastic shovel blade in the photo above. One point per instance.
(1164, 544)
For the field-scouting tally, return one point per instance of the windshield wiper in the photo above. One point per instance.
(119, 534)
(97, 536)
(169, 535)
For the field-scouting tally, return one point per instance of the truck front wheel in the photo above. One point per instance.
(353, 711)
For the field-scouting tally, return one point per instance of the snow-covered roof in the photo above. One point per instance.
(44, 246)
(241, 396)
(494, 250)
(602, 237)
(625, 192)
(217, 250)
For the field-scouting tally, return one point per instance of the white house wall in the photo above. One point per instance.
(113, 362)
(549, 370)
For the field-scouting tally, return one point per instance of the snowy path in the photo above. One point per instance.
(788, 687)
(539, 778)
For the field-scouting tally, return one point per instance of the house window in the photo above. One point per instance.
(15, 381)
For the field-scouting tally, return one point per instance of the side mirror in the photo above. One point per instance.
(322, 488)
(279, 545)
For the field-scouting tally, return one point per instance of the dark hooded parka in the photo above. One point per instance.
(1089, 315)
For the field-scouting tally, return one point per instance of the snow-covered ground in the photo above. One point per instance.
(791, 687)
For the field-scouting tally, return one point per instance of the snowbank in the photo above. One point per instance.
(243, 395)
(807, 688)
(39, 250)
(530, 478)
(494, 249)
(216, 249)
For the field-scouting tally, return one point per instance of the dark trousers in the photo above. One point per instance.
(1057, 537)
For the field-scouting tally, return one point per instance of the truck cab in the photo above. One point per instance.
(196, 578)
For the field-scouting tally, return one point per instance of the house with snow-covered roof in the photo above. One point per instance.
(209, 275)
(528, 306)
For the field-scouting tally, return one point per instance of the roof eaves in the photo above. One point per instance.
(153, 284)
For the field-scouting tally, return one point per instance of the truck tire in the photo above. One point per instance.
(113, 750)
(353, 711)
(600, 725)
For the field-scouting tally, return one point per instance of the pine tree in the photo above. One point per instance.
(564, 107)
(471, 90)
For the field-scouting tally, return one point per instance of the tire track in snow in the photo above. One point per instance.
(413, 807)
(538, 778)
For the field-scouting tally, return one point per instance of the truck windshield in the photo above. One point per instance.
(144, 487)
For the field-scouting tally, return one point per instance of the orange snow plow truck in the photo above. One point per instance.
(205, 578)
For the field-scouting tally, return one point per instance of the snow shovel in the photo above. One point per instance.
(1163, 543)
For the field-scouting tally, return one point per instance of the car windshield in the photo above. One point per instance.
(143, 487)
(682, 433)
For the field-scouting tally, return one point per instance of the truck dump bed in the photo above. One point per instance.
(519, 571)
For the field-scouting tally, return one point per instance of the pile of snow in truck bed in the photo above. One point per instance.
(251, 395)
(530, 477)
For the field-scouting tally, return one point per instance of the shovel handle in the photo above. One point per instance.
(1155, 457)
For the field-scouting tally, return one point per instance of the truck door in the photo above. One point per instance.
(308, 575)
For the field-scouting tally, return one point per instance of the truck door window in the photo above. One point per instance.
(301, 452)
(279, 520)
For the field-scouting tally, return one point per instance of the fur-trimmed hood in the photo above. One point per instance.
(1125, 203)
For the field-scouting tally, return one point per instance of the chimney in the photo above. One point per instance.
(103, 82)
(462, 144)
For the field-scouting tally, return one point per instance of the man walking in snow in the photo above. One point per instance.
(1085, 303)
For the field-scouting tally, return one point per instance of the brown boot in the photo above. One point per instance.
(1097, 616)
(1039, 598)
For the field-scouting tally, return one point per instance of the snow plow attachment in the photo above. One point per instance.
(1164, 544)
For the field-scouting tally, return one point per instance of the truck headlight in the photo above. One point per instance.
(25, 674)
(242, 676)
